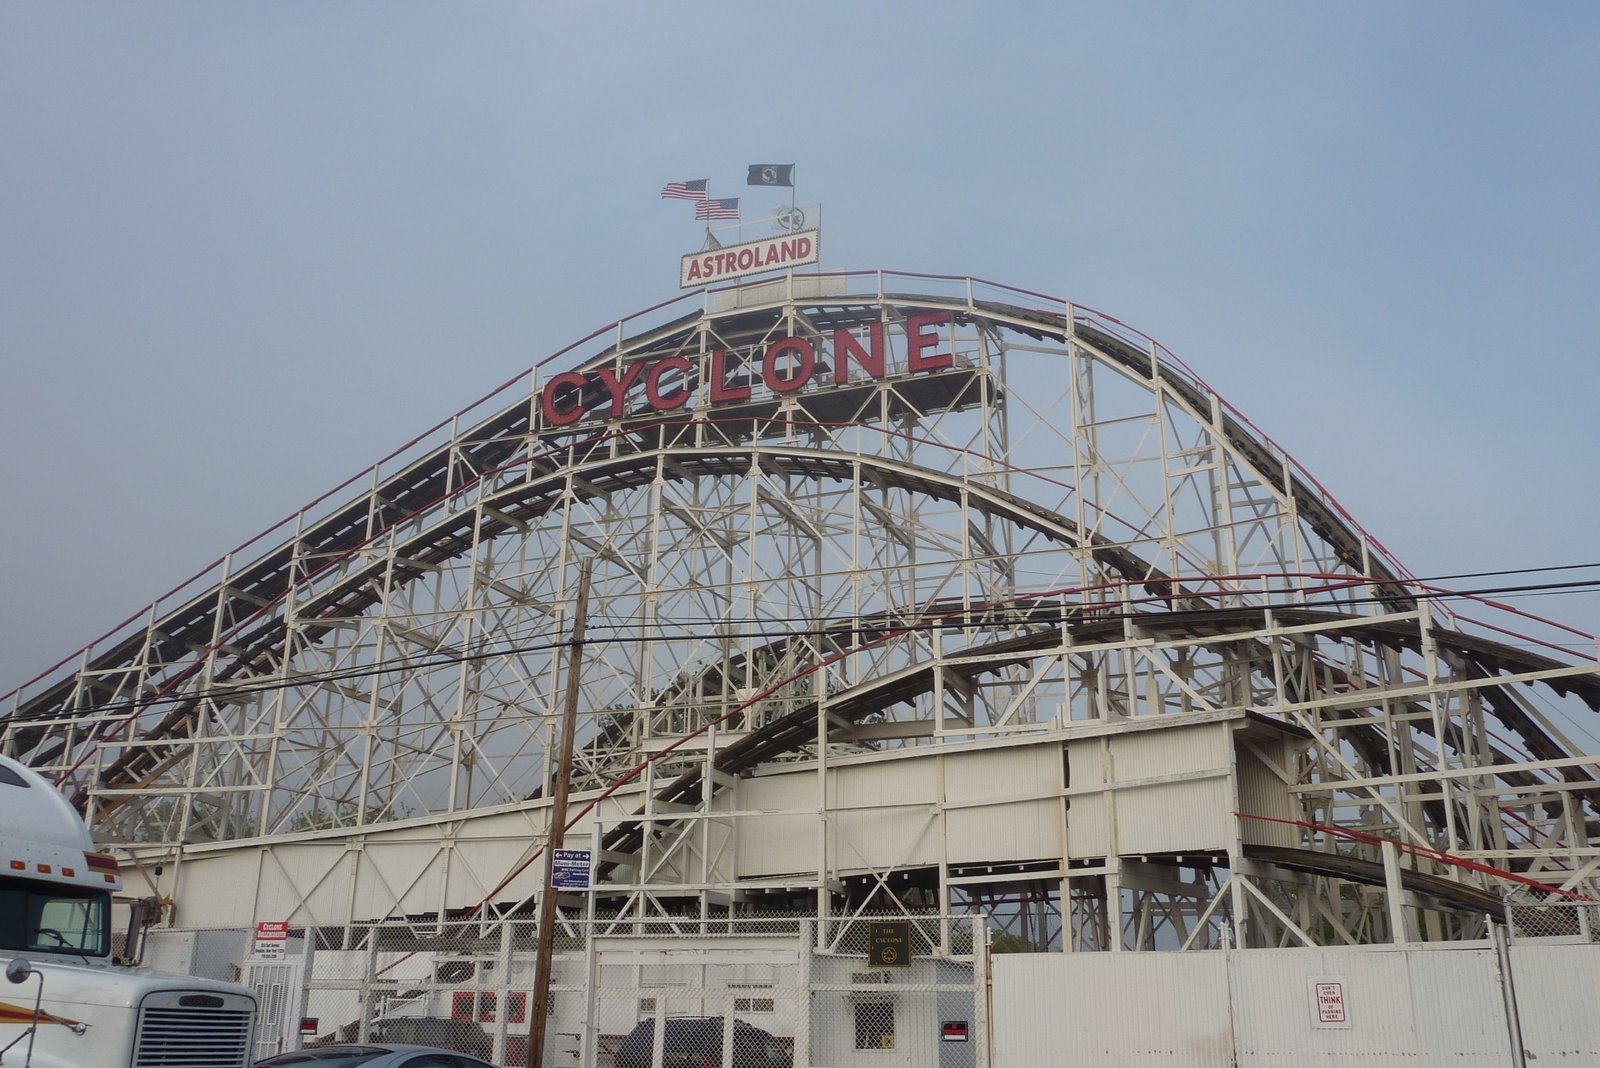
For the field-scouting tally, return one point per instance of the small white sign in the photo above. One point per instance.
(1329, 1007)
(573, 869)
(271, 935)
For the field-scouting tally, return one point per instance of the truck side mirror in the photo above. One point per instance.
(18, 970)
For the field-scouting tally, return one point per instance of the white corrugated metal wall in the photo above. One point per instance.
(1172, 789)
(1414, 1007)
(1111, 1009)
(1558, 999)
(1377, 1006)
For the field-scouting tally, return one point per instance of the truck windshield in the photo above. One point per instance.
(40, 917)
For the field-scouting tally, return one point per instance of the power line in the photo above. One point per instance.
(945, 621)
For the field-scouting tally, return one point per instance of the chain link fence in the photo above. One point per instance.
(1571, 920)
(745, 992)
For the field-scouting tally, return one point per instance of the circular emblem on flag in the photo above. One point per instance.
(791, 219)
(769, 175)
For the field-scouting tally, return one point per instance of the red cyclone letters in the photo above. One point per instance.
(720, 390)
(916, 341)
(786, 366)
(551, 395)
(618, 387)
(805, 360)
(847, 348)
(666, 402)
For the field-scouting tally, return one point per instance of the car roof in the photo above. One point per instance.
(694, 1023)
(312, 1055)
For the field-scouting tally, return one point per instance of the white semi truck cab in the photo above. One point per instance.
(63, 1003)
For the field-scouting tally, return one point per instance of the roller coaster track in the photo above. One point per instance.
(796, 730)
(523, 471)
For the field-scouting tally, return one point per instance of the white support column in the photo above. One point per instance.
(1394, 893)
(589, 1031)
(983, 990)
(810, 942)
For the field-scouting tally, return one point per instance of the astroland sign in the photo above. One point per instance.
(751, 257)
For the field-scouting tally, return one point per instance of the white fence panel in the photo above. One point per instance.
(1558, 998)
(825, 1006)
(1122, 1009)
(1259, 1008)
(1379, 1007)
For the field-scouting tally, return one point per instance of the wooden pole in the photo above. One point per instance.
(538, 1013)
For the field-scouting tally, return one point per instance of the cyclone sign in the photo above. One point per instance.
(782, 366)
(889, 944)
(752, 257)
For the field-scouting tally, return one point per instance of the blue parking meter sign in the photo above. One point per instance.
(572, 869)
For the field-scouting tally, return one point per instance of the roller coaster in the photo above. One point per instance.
(908, 593)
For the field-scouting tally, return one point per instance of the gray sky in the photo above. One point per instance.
(247, 249)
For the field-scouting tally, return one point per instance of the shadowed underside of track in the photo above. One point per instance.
(796, 730)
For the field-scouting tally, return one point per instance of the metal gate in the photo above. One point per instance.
(278, 988)
(773, 991)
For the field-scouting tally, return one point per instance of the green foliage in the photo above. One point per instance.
(155, 822)
(159, 820)
(1006, 942)
(318, 818)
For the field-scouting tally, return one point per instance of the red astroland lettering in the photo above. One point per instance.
(750, 258)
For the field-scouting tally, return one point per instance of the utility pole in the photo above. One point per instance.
(538, 1012)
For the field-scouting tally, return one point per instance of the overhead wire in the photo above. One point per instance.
(628, 632)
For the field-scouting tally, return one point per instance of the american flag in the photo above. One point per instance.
(695, 190)
(717, 209)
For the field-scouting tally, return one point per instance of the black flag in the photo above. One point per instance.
(771, 174)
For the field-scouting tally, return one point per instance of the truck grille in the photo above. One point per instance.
(172, 1035)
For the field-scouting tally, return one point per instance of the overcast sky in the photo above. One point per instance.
(247, 249)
